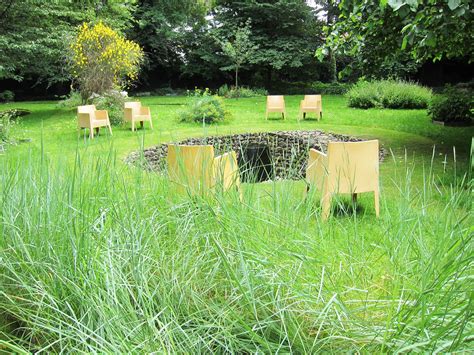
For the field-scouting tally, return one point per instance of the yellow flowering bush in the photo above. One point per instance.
(102, 59)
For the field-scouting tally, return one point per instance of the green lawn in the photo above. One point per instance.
(100, 257)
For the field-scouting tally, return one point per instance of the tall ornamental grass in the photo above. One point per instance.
(388, 94)
(98, 258)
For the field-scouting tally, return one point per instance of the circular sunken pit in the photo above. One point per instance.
(288, 150)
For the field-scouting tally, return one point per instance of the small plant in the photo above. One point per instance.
(223, 91)
(388, 94)
(452, 106)
(102, 60)
(206, 108)
(7, 96)
(7, 120)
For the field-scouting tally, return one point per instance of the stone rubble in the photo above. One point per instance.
(288, 149)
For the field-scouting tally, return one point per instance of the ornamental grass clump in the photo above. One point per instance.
(388, 94)
(102, 60)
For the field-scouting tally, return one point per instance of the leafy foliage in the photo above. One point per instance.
(453, 106)
(101, 59)
(32, 35)
(382, 34)
(388, 94)
(113, 101)
(7, 96)
(205, 109)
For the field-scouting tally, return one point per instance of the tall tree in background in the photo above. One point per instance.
(284, 30)
(330, 8)
(162, 27)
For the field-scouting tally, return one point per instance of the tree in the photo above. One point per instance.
(239, 50)
(161, 27)
(33, 33)
(101, 59)
(409, 32)
(331, 9)
(284, 31)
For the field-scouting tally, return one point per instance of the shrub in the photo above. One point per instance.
(7, 96)
(388, 94)
(112, 101)
(241, 91)
(72, 100)
(207, 108)
(102, 60)
(453, 106)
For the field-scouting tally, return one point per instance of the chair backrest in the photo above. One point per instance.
(191, 165)
(86, 109)
(276, 101)
(135, 106)
(353, 166)
(312, 99)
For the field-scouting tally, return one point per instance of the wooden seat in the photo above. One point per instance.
(348, 167)
(90, 118)
(311, 103)
(275, 103)
(195, 169)
(135, 112)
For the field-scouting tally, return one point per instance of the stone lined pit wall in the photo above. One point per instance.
(288, 149)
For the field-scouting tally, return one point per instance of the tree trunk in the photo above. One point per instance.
(332, 56)
(236, 77)
(332, 67)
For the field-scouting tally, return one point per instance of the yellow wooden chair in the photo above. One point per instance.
(348, 167)
(276, 103)
(90, 118)
(195, 169)
(135, 112)
(311, 103)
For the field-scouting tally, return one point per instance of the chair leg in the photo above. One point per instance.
(377, 202)
(320, 115)
(354, 198)
(91, 133)
(326, 206)
(133, 125)
(151, 124)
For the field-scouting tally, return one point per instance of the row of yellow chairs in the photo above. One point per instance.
(347, 167)
(310, 104)
(88, 117)
(91, 118)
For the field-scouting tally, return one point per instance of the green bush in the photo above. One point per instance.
(453, 106)
(72, 100)
(207, 108)
(7, 96)
(113, 102)
(388, 94)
